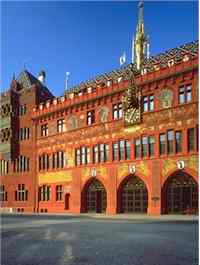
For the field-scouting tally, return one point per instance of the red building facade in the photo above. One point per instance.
(124, 142)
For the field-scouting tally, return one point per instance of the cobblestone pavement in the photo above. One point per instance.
(75, 240)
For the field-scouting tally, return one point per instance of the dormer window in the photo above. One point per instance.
(186, 58)
(71, 95)
(109, 83)
(62, 99)
(143, 71)
(170, 63)
(89, 89)
(47, 104)
(119, 79)
(156, 67)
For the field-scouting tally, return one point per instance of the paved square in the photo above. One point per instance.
(60, 240)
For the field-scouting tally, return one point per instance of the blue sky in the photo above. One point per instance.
(85, 38)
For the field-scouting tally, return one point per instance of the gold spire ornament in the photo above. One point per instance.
(140, 44)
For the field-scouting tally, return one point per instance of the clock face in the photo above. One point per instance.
(132, 115)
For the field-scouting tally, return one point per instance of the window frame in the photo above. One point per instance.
(185, 94)
(117, 111)
(148, 103)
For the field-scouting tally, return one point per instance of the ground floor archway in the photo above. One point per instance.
(180, 194)
(132, 196)
(95, 197)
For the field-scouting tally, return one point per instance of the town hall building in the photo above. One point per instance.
(124, 142)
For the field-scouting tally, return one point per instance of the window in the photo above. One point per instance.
(3, 193)
(21, 164)
(151, 102)
(151, 145)
(137, 148)
(21, 194)
(82, 155)
(127, 149)
(61, 125)
(24, 134)
(144, 146)
(59, 193)
(178, 137)
(58, 159)
(170, 142)
(185, 94)
(96, 154)
(78, 157)
(145, 104)
(22, 110)
(44, 162)
(117, 111)
(44, 130)
(90, 117)
(100, 153)
(88, 155)
(191, 144)
(148, 103)
(44, 193)
(4, 164)
(121, 150)
(162, 140)
(106, 152)
(115, 151)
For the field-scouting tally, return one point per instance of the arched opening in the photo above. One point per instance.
(95, 197)
(180, 194)
(132, 196)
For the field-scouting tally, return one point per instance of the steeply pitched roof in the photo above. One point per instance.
(161, 60)
(26, 79)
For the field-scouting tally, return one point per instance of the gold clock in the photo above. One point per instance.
(132, 116)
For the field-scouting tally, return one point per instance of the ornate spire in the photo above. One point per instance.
(140, 43)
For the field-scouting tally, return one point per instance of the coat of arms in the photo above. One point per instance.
(165, 98)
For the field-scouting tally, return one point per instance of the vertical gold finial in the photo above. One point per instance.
(140, 43)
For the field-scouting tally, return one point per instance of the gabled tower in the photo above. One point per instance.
(140, 43)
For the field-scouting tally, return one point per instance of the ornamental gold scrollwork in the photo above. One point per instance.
(5, 110)
(131, 105)
(5, 134)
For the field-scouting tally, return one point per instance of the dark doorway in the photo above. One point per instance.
(180, 194)
(96, 199)
(67, 196)
(133, 196)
